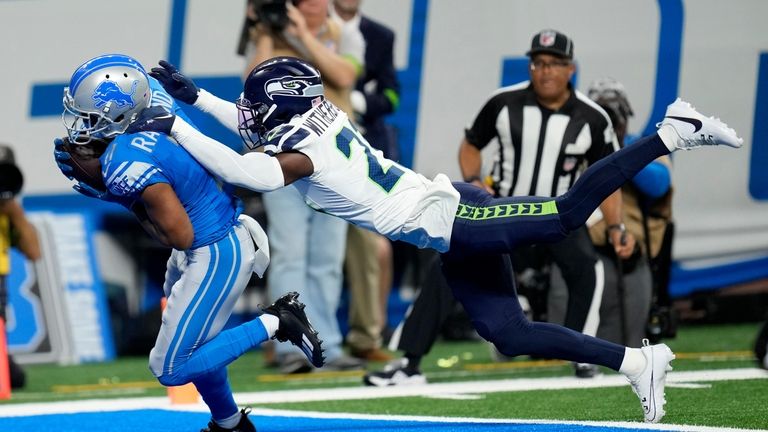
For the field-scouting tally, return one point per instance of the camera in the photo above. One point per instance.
(11, 179)
(273, 13)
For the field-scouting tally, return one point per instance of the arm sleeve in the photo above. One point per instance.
(224, 112)
(256, 171)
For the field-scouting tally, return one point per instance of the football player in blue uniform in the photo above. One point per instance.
(310, 143)
(215, 247)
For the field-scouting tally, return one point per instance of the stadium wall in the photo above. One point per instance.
(450, 55)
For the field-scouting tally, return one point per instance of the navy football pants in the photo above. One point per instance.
(478, 269)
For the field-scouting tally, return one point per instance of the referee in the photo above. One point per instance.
(547, 134)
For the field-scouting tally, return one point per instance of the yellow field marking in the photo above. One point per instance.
(310, 376)
(104, 385)
(717, 355)
(515, 365)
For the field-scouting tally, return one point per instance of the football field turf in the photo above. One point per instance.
(714, 386)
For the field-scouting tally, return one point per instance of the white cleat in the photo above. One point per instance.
(693, 130)
(649, 384)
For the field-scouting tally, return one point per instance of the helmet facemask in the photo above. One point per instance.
(251, 120)
(84, 126)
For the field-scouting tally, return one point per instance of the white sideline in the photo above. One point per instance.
(348, 393)
(472, 387)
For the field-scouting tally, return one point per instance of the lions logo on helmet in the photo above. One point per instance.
(109, 91)
(105, 94)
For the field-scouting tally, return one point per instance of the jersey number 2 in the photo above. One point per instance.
(385, 178)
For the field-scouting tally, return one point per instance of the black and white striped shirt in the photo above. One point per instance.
(540, 152)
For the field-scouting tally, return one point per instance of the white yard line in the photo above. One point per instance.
(442, 389)
(472, 387)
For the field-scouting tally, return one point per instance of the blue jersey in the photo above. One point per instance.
(132, 162)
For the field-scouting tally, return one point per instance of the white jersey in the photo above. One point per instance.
(353, 181)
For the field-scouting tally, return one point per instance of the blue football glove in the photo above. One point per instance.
(153, 119)
(62, 158)
(174, 82)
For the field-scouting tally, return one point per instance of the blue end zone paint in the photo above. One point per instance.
(174, 421)
(758, 169)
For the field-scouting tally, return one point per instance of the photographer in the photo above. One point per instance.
(309, 247)
(15, 230)
(302, 28)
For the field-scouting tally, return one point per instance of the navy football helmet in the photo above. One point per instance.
(105, 94)
(274, 92)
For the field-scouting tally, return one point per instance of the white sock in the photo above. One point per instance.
(230, 422)
(634, 362)
(271, 323)
(669, 136)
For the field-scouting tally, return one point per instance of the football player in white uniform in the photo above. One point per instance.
(310, 143)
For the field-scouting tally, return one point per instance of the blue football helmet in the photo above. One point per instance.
(105, 94)
(274, 92)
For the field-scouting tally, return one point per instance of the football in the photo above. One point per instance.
(85, 163)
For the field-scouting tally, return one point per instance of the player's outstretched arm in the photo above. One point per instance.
(256, 171)
(184, 89)
(224, 111)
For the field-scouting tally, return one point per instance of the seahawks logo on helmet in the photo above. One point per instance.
(292, 86)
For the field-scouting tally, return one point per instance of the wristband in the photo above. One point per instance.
(471, 179)
(619, 226)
